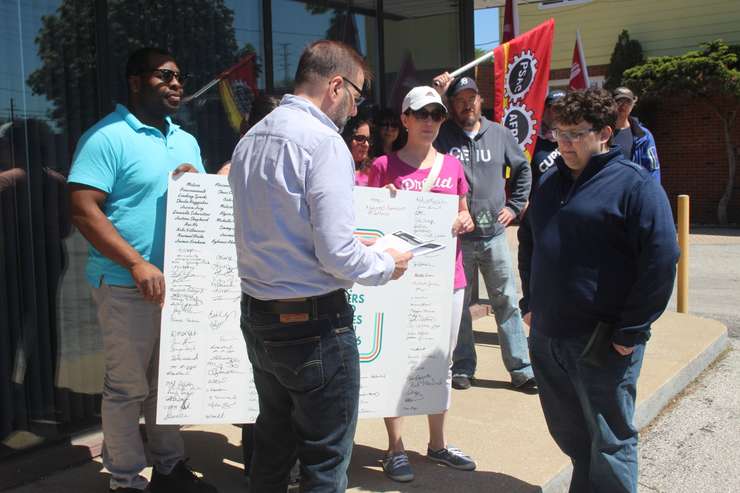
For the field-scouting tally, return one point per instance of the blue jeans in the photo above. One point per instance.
(493, 258)
(307, 376)
(589, 411)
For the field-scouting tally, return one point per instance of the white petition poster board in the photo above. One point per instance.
(403, 328)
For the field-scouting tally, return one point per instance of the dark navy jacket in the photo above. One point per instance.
(602, 248)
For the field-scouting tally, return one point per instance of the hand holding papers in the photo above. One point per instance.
(403, 241)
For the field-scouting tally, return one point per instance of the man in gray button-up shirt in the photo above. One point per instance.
(292, 177)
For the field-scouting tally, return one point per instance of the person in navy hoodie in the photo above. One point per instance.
(597, 258)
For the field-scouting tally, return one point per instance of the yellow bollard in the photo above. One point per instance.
(683, 261)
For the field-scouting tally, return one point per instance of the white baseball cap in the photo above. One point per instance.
(420, 96)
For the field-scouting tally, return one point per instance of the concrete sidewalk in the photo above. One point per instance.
(503, 429)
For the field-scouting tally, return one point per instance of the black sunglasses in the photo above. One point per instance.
(422, 114)
(389, 124)
(167, 75)
(361, 139)
(359, 99)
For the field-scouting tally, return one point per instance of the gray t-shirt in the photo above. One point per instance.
(623, 138)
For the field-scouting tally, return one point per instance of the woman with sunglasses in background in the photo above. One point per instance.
(390, 136)
(408, 169)
(357, 134)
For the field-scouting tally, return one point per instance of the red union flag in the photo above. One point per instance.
(578, 68)
(238, 87)
(522, 72)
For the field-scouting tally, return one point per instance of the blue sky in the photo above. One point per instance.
(486, 28)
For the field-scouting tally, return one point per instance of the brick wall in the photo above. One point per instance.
(692, 153)
(690, 147)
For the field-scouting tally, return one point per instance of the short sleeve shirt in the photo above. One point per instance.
(451, 180)
(131, 162)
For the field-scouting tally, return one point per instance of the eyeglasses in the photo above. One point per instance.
(167, 75)
(571, 136)
(389, 124)
(359, 99)
(422, 114)
(361, 139)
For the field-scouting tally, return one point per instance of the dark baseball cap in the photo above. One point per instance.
(462, 84)
(554, 96)
(623, 93)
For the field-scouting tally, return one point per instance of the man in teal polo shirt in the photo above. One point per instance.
(118, 185)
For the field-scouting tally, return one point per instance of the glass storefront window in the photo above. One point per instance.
(295, 24)
(50, 348)
(57, 81)
(419, 44)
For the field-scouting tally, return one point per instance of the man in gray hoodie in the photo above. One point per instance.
(491, 157)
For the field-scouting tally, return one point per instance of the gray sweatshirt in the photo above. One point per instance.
(485, 159)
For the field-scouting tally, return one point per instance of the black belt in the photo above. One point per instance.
(333, 302)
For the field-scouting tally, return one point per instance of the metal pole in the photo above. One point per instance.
(683, 261)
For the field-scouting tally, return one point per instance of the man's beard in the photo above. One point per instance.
(341, 116)
(467, 120)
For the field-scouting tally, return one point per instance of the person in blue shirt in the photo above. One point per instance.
(292, 177)
(597, 259)
(631, 136)
(118, 183)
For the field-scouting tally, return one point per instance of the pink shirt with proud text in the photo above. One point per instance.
(451, 180)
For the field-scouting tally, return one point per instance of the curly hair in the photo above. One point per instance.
(596, 106)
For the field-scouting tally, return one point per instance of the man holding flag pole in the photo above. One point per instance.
(492, 155)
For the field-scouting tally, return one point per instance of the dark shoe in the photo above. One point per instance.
(460, 381)
(126, 490)
(453, 457)
(180, 480)
(397, 467)
(529, 384)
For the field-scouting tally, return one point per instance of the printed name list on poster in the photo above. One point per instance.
(204, 372)
(403, 328)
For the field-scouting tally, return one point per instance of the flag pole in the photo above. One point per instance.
(203, 89)
(218, 79)
(470, 65)
(583, 58)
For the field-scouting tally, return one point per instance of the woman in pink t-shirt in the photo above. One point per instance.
(407, 169)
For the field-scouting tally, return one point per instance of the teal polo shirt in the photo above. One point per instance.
(131, 162)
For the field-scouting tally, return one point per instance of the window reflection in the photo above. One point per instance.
(50, 348)
(295, 24)
(418, 45)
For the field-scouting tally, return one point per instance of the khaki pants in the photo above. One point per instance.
(130, 327)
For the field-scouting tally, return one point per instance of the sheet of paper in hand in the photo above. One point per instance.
(406, 242)
(403, 328)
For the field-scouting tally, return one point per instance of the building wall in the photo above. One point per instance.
(663, 27)
(692, 153)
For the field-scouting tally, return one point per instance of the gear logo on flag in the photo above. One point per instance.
(243, 96)
(521, 122)
(521, 75)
